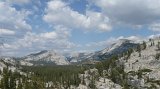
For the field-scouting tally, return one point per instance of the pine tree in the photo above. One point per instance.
(1, 84)
(100, 68)
(19, 86)
(144, 45)
(92, 83)
(12, 81)
(129, 52)
(158, 45)
(83, 81)
(5, 78)
(35, 85)
(139, 50)
(153, 43)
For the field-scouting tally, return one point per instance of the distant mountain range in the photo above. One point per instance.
(46, 57)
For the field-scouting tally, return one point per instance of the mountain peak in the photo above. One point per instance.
(116, 45)
(46, 56)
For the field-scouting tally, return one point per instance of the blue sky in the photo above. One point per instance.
(28, 26)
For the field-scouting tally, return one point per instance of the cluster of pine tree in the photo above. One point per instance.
(114, 72)
(64, 76)
(14, 80)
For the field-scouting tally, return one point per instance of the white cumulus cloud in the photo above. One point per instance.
(54, 40)
(19, 2)
(60, 13)
(134, 12)
(155, 27)
(13, 19)
(6, 32)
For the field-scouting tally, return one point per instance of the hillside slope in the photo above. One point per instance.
(46, 57)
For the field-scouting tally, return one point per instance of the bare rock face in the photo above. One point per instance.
(82, 87)
(143, 69)
(2, 65)
(105, 83)
(47, 57)
(25, 63)
(99, 82)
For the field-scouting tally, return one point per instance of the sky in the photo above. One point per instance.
(28, 26)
